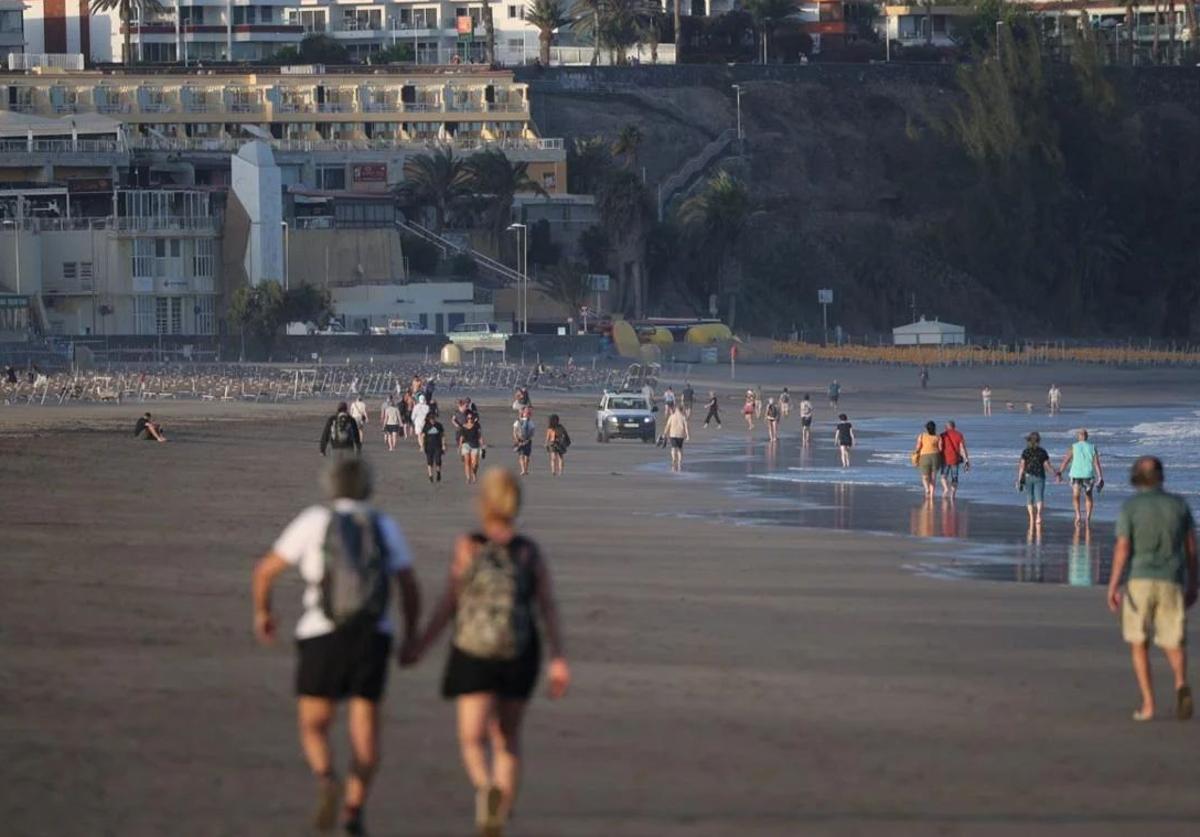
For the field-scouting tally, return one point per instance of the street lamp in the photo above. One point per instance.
(523, 272)
(287, 254)
(999, 24)
(738, 88)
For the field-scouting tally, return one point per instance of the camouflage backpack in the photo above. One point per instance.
(494, 619)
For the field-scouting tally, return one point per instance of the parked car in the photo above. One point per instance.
(473, 336)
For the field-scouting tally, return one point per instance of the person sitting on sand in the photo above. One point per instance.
(148, 429)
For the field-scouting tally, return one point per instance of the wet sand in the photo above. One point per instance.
(728, 678)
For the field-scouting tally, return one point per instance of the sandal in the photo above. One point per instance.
(1141, 716)
(1183, 703)
(328, 793)
(487, 811)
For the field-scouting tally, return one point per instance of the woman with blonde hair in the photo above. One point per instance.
(498, 579)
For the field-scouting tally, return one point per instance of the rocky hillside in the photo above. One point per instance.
(860, 181)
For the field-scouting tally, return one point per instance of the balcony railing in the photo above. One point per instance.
(335, 107)
(225, 144)
(61, 146)
(113, 107)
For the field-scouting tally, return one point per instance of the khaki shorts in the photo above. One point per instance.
(1153, 608)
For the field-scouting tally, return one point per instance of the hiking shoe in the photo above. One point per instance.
(487, 811)
(328, 791)
(1183, 703)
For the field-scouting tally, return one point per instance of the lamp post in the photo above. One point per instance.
(287, 255)
(523, 272)
(999, 24)
(738, 88)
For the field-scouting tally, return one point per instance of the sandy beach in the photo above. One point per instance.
(729, 678)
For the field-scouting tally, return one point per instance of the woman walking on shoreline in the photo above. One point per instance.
(1031, 477)
(843, 437)
(498, 579)
(557, 442)
(927, 456)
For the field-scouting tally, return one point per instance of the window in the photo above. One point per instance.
(143, 259)
(176, 315)
(157, 53)
(69, 271)
(191, 15)
(425, 18)
(243, 15)
(143, 314)
(331, 177)
(202, 259)
(85, 274)
(266, 14)
(205, 321)
(313, 21)
(11, 23)
(162, 313)
(514, 13)
(176, 247)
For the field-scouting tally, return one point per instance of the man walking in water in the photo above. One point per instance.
(806, 420)
(714, 410)
(348, 555)
(986, 394)
(1054, 399)
(954, 456)
(676, 431)
(1156, 538)
(835, 392)
(1086, 474)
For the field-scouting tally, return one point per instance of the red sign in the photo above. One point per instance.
(464, 25)
(369, 172)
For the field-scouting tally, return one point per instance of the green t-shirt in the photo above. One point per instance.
(1157, 525)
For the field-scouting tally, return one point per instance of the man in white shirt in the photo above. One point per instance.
(347, 573)
(359, 412)
(419, 412)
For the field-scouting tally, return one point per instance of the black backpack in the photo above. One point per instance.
(354, 585)
(342, 435)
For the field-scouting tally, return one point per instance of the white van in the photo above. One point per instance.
(405, 327)
(473, 336)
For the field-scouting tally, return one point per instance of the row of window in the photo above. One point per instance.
(158, 257)
(165, 315)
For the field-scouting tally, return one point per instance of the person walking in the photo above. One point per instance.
(772, 415)
(669, 400)
(785, 403)
(835, 392)
(432, 440)
(341, 433)
(419, 411)
(1054, 399)
(986, 395)
(676, 431)
(923, 375)
(806, 419)
(689, 399)
(748, 409)
(714, 410)
(954, 457)
(360, 414)
(348, 555)
(471, 447)
(522, 436)
(391, 423)
(843, 437)
(1086, 474)
(557, 442)
(1031, 477)
(758, 402)
(1156, 541)
(499, 585)
(927, 456)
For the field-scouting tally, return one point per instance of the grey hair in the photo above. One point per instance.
(348, 479)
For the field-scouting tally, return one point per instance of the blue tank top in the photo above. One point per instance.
(1083, 461)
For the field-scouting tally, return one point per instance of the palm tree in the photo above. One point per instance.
(546, 16)
(678, 30)
(497, 180)
(585, 22)
(489, 36)
(623, 24)
(625, 214)
(127, 11)
(768, 14)
(566, 283)
(626, 145)
(439, 181)
(717, 216)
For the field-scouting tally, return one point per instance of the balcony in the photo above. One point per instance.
(335, 107)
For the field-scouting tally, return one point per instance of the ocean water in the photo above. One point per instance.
(985, 533)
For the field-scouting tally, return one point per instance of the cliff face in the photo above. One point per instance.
(858, 185)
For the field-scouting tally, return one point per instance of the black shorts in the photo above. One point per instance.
(350, 662)
(806, 421)
(511, 679)
(524, 448)
(677, 442)
(434, 457)
(391, 428)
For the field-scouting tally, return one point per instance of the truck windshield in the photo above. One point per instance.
(627, 404)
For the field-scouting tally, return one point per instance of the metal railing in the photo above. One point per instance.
(223, 144)
(447, 246)
(61, 61)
